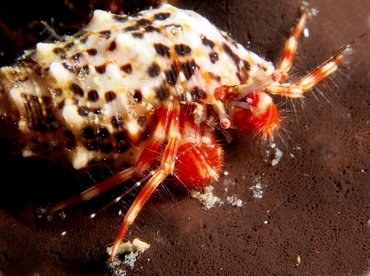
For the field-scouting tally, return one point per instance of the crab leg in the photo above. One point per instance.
(96, 190)
(166, 168)
(297, 89)
(303, 85)
(290, 48)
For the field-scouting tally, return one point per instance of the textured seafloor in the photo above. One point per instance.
(313, 217)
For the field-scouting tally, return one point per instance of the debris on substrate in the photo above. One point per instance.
(126, 257)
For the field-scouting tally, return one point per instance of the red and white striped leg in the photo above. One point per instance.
(290, 48)
(166, 168)
(307, 82)
(96, 190)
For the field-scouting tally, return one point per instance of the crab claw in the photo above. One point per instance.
(258, 115)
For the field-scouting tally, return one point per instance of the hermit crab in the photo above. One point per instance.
(145, 95)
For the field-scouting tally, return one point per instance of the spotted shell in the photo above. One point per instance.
(92, 98)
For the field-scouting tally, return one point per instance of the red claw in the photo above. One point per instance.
(262, 117)
(198, 165)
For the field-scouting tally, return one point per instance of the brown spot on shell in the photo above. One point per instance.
(60, 52)
(172, 75)
(182, 49)
(131, 28)
(137, 35)
(69, 67)
(230, 53)
(152, 29)
(207, 42)
(83, 111)
(162, 15)
(69, 45)
(77, 90)
(127, 68)
(213, 57)
(162, 93)
(35, 149)
(110, 96)
(246, 65)
(93, 96)
(92, 52)
(60, 106)
(188, 68)
(101, 68)
(70, 144)
(120, 18)
(77, 57)
(112, 46)
(153, 70)
(162, 50)
(46, 100)
(143, 22)
(197, 94)
(138, 96)
(103, 133)
(88, 133)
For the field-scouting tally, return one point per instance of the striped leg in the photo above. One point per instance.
(166, 167)
(290, 48)
(297, 89)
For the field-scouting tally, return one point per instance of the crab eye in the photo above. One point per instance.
(277, 76)
(259, 115)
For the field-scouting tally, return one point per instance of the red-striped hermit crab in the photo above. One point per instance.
(149, 90)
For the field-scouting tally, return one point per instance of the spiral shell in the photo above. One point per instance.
(92, 98)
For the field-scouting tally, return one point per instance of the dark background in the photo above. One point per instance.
(316, 200)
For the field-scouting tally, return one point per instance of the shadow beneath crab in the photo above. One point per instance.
(28, 184)
(31, 186)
